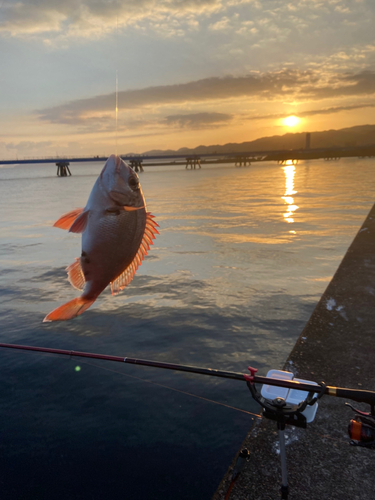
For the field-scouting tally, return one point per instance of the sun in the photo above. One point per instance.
(291, 121)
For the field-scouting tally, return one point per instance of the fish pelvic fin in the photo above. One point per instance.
(69, 310)
(66, 220)
(128, 274)
(75, 275)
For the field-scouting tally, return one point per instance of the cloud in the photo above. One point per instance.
(337, 109)
(56, 147)
(88, 18)
(312, 112)
(286, 85)
(198, 120)
(30, 149)
(156, 125)
(27, 146)
(221, 25)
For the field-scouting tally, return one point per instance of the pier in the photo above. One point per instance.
(140, 162)
(242, 160)
(136, 165)
(337, 346)
(63, 168)
(193, 162)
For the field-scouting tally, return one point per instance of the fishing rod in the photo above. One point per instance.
(361, 396)
(282, 399)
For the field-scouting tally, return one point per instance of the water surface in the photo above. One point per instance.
(243, 256)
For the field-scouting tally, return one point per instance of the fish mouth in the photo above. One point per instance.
(117, 209)
(128, 208)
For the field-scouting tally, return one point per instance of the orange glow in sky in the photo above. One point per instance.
(181, 74)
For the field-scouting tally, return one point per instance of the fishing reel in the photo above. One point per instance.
(287, 406)
(361, 428)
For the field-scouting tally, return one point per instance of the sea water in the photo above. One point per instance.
(242, 258)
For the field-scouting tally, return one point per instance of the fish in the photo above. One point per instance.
(117, 232)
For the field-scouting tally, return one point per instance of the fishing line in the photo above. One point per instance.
(116, 108)
(173, 389)
(158, 384)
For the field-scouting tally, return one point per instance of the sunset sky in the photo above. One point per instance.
(189, 72)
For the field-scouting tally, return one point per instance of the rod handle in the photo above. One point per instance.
(353, 394)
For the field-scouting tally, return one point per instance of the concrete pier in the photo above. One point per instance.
(63, 168)
(193, 162)
(337, 346)
(136, 165)
(242, 160)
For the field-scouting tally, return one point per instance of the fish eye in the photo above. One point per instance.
(134, 183)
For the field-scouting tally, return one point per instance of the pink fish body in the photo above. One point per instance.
(117, 232)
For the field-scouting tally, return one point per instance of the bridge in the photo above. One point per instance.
(137, 162)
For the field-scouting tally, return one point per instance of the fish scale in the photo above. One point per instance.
(121, 237)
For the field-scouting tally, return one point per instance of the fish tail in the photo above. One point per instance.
(69, 310)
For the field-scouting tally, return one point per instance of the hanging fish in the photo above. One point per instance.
(117, 232)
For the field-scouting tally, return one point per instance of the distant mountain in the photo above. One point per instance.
(361, 135)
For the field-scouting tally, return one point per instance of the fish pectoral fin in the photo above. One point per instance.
(69, 310)
(79, 225)
(126, 276)
(75, 275)
(67, 219)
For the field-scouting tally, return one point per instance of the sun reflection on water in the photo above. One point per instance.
(289, 171)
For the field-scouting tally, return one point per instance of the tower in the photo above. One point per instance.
(308, 138)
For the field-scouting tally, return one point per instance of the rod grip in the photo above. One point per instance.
(353, 394)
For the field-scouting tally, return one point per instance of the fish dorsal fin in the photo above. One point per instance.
(126, 276)
(75, 275)
(67, 219)
(79, 225)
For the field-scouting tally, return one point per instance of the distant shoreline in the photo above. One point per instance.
(242, 158)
